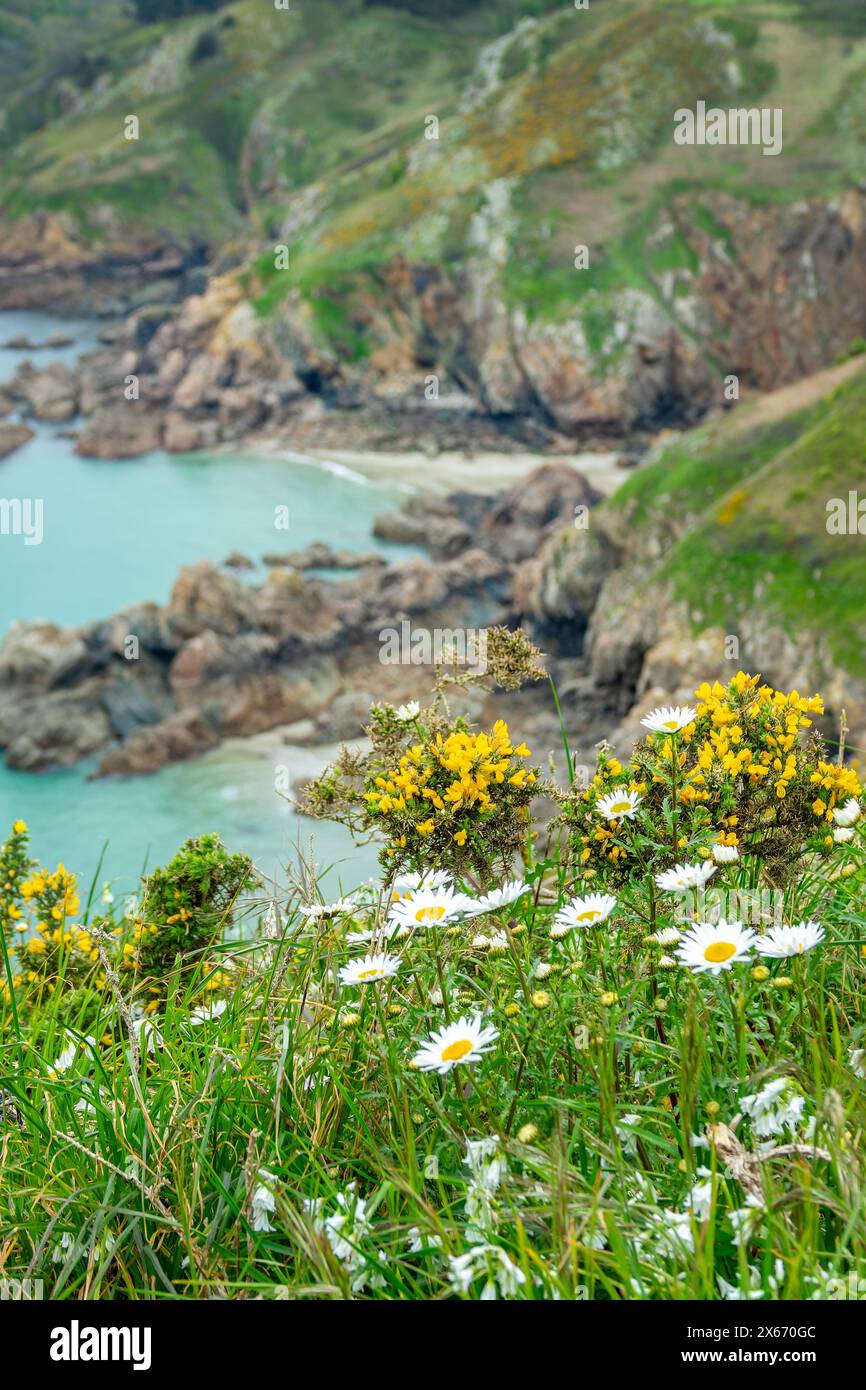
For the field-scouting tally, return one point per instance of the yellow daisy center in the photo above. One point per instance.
(589, 916)
(671, 723)
(456, 1051)
(719, 951)
(621, 806)
(429, 914)
(369, 974)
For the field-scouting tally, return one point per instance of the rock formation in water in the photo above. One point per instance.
(223, 657)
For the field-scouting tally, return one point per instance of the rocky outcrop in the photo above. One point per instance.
(188, 371)
(225, 658)
(600, 595)
(46, 263)
(49, 393)
(513, 526)
(319, 555)
(12, 436)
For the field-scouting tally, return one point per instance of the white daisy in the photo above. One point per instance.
(857, 1057)
(429, 907)
(682, 877)
(669, 719)
(676, 1235)
(715, 946)
(464, 1041)
(497, 943)
(726, 854)
(585, 912)
(314, 912)
(407, 883)
(408, 711)
(780, 942)
(667, 936)
(497, 897)
(842, 834)
(66, 1058)
(367, 969)
(617, 805)
(849, 813)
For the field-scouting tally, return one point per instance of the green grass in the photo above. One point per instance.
(739, 517)
(776, 542)
(285, 1146)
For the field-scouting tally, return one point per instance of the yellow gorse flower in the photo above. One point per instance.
(447, 783)
(474, 764)
(744, 750)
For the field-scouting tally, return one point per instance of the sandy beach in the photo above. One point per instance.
(451, 472)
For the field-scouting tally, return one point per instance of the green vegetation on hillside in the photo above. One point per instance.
(309, 126)
(745, 511)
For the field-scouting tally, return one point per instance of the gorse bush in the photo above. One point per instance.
(733, 771)
(436, 792)
(629, 1075)
(184, 907)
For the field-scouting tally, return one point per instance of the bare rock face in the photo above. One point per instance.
(410, 586)
(296, 611)
(225, 658)
(183, 436)
(41, 656)
(12, 436)
(50, 393)
(204, 599)
(199, 660)
(211, 370)
(183, 735)
(547, 500)
(131, 703)
(58, 732)
(283, 696)
(319, 555)
(120, 431)
(44, 263)
(511, 528)
(673, 662)
(556, 593)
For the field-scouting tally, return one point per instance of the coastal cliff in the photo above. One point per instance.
(501, 245)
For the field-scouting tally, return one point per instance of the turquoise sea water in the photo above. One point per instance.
(116, 532)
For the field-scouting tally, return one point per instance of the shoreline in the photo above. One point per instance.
(450, 471)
